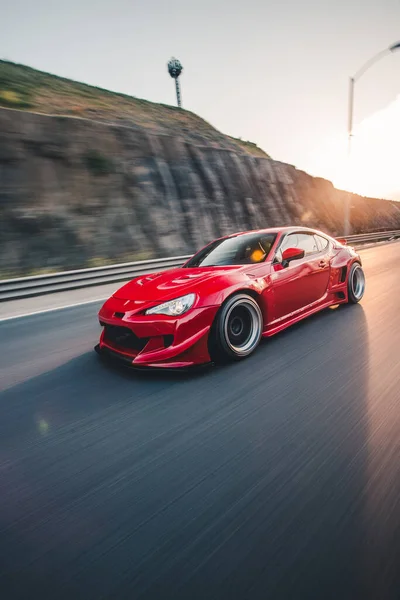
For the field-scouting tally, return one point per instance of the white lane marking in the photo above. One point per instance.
(40, 312)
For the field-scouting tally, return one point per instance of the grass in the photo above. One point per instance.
(24, 88)
(11, 274)
(97, 261)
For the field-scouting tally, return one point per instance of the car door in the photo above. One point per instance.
(302, 282)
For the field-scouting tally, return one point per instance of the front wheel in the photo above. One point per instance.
(356, 283)
(237, 329)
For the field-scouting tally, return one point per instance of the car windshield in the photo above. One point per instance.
(239, 250)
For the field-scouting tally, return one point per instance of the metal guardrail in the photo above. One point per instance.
(37, 285)
(25, 287)
(376, 236)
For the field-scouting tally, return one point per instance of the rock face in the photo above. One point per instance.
(75, 192)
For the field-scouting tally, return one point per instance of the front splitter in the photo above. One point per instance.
(127, 362)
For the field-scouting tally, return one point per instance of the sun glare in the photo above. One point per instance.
(373, 166)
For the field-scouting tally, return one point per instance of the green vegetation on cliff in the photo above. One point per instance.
(25, 88)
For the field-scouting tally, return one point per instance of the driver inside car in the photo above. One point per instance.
(257, 252)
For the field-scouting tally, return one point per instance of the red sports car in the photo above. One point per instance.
(229, 295)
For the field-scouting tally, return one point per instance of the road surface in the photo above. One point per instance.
(275, 478)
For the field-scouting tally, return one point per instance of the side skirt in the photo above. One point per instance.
(277, 327)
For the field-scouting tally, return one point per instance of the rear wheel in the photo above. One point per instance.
(237, 329)
(356, 283)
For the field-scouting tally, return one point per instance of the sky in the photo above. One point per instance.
(271, 71)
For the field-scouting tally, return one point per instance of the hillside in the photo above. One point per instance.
(76, 192)
(108, 178)
(24, 88)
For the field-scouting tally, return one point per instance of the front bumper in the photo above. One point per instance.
(155, 340)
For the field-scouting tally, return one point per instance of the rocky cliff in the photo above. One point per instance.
(77, 192)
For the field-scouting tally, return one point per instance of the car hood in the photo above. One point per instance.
(167, 285)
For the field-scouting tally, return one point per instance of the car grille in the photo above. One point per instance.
(124, 338)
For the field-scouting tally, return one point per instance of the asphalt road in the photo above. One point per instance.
(275, 478)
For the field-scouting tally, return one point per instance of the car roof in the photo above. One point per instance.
(287, 229)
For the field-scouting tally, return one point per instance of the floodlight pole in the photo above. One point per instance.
(356, 77)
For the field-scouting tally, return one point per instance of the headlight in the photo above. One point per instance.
(173, 308)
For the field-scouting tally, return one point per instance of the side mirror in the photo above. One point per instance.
(342, 241)
(291, 254)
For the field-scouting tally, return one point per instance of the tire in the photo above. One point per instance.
(355, 284)
(237, 329)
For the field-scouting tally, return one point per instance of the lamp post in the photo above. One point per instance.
(175, 69)
(352, 82)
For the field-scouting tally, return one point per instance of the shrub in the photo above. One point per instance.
(98, 164)
(12, 99)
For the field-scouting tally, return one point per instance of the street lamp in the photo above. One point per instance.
(175, 69)
(352, 82)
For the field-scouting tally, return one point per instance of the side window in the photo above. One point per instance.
(323, 243)
(308, 243)
(290, 241)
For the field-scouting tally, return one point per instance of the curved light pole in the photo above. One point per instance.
(352, 82)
